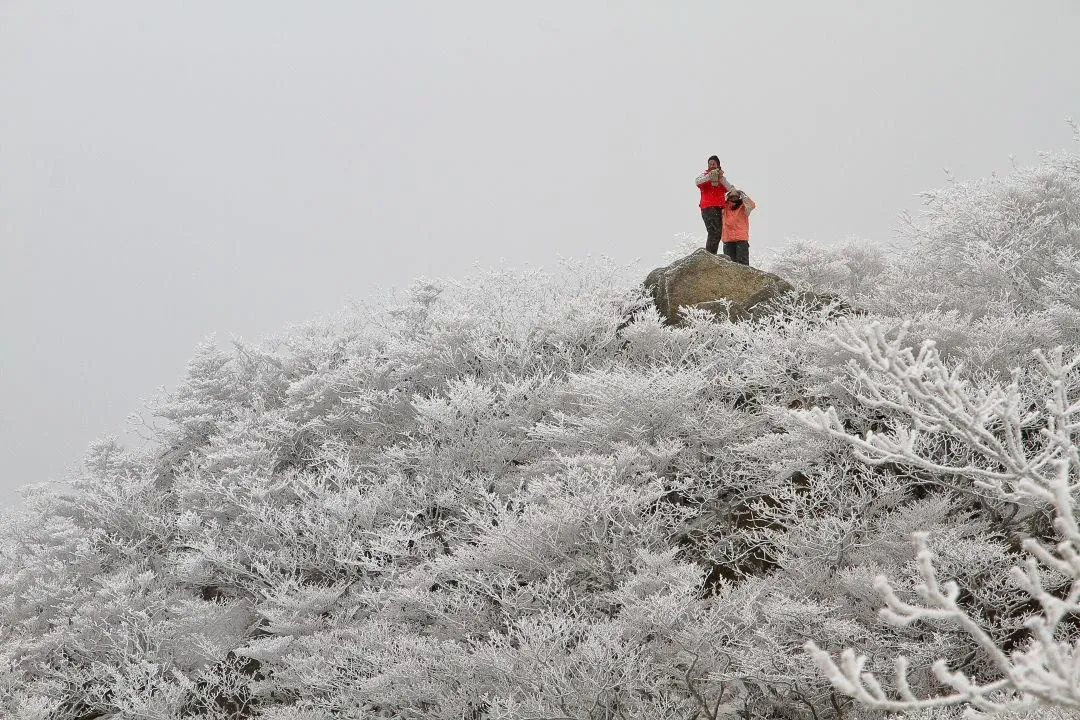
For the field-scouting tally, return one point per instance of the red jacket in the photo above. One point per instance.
(712, 195)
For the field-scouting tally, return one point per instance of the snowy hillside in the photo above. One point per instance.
(524, 496)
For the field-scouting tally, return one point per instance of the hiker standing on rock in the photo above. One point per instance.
(737, 210)
(714, 187)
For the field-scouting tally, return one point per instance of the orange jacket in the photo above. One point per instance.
(737, 222)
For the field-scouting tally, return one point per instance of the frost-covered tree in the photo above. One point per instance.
(1018, 448)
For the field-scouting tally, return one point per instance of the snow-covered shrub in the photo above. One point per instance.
(852, 269)
(1016, 448)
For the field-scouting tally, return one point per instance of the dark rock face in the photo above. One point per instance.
(714, 283)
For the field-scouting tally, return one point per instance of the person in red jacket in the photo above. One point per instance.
(714, 187)
(737, 210)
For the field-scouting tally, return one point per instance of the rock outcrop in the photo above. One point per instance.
(714, 283)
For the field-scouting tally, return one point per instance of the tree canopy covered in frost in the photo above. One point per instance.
(524, 496)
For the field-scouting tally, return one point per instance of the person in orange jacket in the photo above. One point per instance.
(737, 209)
(714, 188)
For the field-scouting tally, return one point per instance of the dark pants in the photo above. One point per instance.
(738, 251)
(714, 223)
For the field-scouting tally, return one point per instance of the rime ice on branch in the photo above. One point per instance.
(1022, 453)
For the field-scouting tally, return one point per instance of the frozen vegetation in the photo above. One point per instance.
(523, 496)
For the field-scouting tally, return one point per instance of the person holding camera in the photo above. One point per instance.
(714, 188)
(737, 208)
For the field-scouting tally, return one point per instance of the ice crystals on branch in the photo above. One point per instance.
(1023, 451)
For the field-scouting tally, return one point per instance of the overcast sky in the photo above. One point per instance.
(173, 169)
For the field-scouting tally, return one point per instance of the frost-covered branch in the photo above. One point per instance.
(1020, 452)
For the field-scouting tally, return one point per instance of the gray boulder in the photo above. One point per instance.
(714, 283)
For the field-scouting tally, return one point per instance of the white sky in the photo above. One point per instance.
(172, 169)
